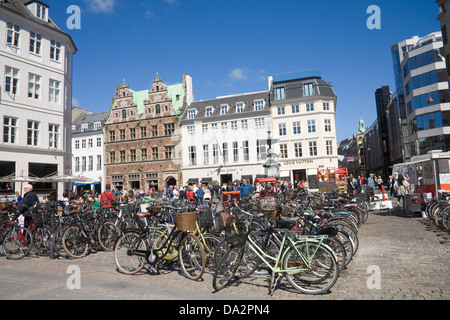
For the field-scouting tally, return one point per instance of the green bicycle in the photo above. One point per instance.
(308, 264)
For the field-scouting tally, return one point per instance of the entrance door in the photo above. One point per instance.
(171, 181)
(299, 175)
(225, 178)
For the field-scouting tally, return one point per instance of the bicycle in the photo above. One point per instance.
(160, 246)
(17, 241)
(308, 264)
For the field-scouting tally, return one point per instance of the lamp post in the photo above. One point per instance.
(271, 166)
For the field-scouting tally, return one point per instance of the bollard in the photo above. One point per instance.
(52, 247)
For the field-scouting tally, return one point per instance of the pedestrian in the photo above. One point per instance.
(350, 184)
(199, 195)
(107, 198)
(190, 196)
(17, 198)
(370, 184)
(246, 191)
(207, 194)
(401, 187)
(29, 200)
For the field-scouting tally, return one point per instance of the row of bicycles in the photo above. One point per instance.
(308, 239)
(232, 240)
(438, 210)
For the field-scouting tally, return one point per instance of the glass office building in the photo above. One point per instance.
(423, 90)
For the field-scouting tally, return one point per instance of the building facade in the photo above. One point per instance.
(444, 19)
(421, 76)
(303, 110)
(142, 135)
(36, 94)
(88, 149)
(225, 139)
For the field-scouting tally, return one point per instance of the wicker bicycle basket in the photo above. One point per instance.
(290, 195)
(186, 221)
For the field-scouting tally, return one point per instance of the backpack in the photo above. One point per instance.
(190, 195)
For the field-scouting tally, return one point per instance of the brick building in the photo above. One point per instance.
(142, 135)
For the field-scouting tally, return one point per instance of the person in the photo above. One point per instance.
(199, 193)
(207, 196)
(29, 200)
(190, 196)
(107, 198)
(176, 193)
(401, 188)
(65, 199)
(379, 182)
(169, 193)
(350, 185)
(370, 184)
(17, 198)
(392, 184)
(246, 191)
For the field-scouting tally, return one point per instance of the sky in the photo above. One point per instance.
(232, 46)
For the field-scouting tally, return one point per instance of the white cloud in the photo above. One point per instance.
(238, 74)
(101, 6)
(75, 102)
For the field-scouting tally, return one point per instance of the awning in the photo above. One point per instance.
(192, 181)
(206, 180)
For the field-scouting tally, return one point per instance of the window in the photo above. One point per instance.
(77, 144)
(309, 107)
(54, 91)
(122, 155)
(259, 105)
(205, 154)
(77, 164)
(209, 112)
(35, 43)
(246, 150)
(133, 155)
(234, 125)
(239, 108)
(311, 126)
(280, 110)
(132, 133)
(191, 114)
(12, 34)
(169, 152)
(112, 136)
(282, 129)
(83, 144)
(223, 110)
(214, 127)
(244, 124)
(296, 127)
(308, 89)
(296, 109)
(11, 80)
(235, 152)
(84, 127)
(204, 128)
(83, 164)
(225, 152)
(191, 129)
(157, 109)
(215, 153)
(224, 126)
(312, 148)
(99, 142)
(192, 156)
(112, 157)
(155, 153)
(327, 124)
(91, 163)
(169, 128)
(280, 93)
(284, 150)
(143, 132)
(99, 162)
(298, 149)
(55, 50)
(329, 147)
(326, 106)
(260, 150)
(259, 123)
(53, 138)
(90, 143)
(124, 114)
(144, 154)
(9, 130)
(41, 11)
(154, 129)
(122, 134)
(97, 125)
(33, 133)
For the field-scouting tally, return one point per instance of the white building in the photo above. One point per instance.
(303, 109)
(225, 139)
(88, 149)
(35, 94)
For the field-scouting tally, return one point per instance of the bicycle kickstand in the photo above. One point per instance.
(274, 283)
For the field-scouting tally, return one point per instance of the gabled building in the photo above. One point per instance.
(36, 95)
(142, 135)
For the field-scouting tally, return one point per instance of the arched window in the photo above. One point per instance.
(157, 109)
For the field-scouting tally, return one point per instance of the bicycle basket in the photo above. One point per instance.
(186, 221)
(36, 218)
(205, 218)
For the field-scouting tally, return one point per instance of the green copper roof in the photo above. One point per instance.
(176, 93)
(138, 98)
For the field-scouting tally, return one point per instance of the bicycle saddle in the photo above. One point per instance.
(285, 224)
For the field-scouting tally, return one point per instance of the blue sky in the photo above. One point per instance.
(232, 46)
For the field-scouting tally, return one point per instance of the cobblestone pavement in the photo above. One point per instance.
(410, 254)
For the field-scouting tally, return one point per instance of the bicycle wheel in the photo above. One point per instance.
(227, 267)
(210, 243)
(17, 243)
(108, 233)
(75, 242)
(41, 240)
(311, 267)
(191, 257)
(129, 253)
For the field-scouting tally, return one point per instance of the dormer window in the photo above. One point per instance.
(38, 9)
(191, 114)
(239, 108)
(259, 105)
(209, 112)
(223, 110)
(97, 125)
(84, 127)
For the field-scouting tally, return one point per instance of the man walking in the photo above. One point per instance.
(246, 191)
